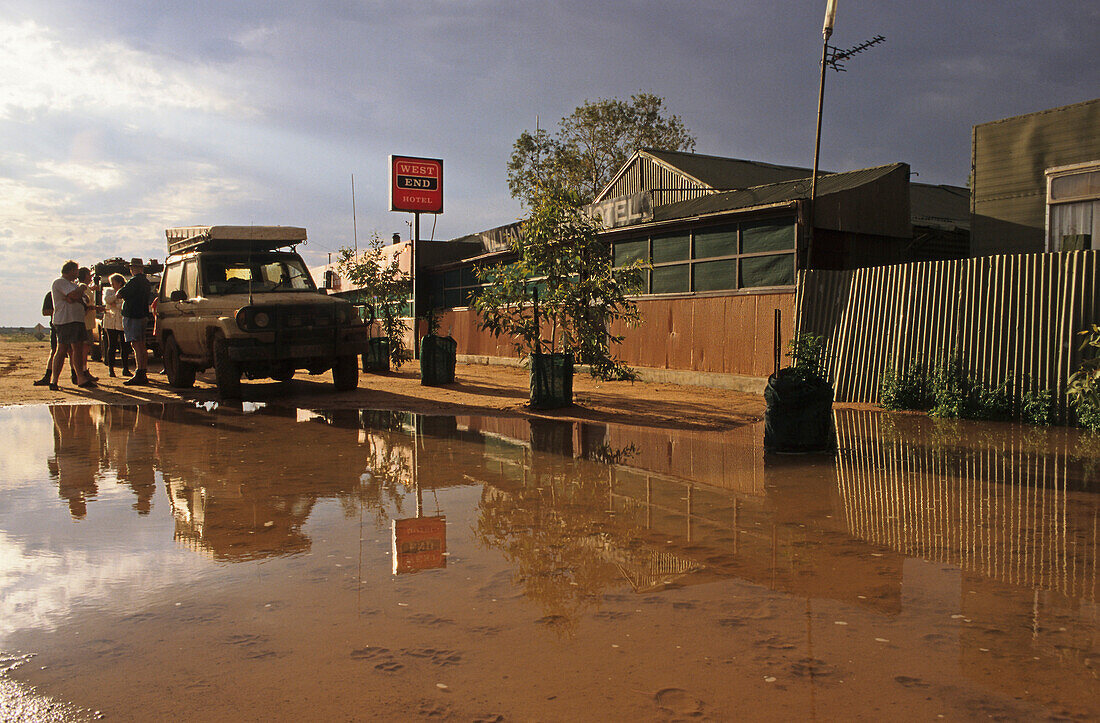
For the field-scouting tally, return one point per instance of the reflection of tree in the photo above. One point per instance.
(545, 527)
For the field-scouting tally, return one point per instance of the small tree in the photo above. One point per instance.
(578, 292)
(383, 291)
(591, 144)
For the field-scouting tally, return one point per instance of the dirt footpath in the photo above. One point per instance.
(478, 389)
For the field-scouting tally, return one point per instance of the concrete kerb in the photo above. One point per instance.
(712, 380)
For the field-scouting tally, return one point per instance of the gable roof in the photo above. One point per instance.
(707, 172)
(726, 174)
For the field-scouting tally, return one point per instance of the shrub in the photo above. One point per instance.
(908, 388)
(1083, 390)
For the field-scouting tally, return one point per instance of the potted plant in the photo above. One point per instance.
(558, 298)
(799, 413)
(437, 353)
(382, 289)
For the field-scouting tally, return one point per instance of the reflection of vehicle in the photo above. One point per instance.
(232, 300)
(102, 273)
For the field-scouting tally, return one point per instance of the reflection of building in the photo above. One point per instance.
(1004, 519)
(1001, 510)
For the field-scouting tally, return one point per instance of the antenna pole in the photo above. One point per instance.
(354, 230)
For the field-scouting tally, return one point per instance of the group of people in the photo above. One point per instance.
(72, 308)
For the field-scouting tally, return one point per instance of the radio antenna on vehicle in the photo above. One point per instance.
(251, 243)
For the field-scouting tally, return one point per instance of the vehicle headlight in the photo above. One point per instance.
(261, 320)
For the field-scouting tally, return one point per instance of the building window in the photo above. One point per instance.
(1073, 208)
(756, 254)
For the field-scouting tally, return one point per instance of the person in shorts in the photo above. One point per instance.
(135, 297)
(68, 320)
(112, 326)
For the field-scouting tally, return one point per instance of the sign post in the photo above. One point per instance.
(416, 186)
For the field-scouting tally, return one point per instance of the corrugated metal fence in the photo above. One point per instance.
(1003, 315)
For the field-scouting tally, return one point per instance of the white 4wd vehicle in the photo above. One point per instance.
(236, 299)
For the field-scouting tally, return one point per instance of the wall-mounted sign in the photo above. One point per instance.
(419, 543)
(416, 184)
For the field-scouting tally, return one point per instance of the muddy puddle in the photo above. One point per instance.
(204, 563)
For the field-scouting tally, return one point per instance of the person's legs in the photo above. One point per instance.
(135, 334)
(48, 374)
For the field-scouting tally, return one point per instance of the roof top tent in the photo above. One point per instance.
(233, 238)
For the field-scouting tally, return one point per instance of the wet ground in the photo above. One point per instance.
(208, 563)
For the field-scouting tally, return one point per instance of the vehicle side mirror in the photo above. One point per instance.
(178, 295)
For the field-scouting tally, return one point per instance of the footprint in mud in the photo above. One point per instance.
(429, 620)
(617, 597)
(389, 666)
(436, 657)
(139, 618)
(911, 682)
(611, 615)
(812, 667)
(678, 702)
(485, 630)
(731, 622)
(369, 653)
(489, 718)
(552, 621)
(245, 639)
(432, 709)
(261, 655)
(774, 642)
(683, 606)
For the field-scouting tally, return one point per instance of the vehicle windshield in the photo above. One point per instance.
(261, 273)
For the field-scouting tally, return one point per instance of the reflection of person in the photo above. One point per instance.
(68, 317)
(76, 456)
(136, 469)
(112, 326)
(135, 308)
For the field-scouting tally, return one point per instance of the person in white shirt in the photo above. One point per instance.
(68, 317)
(112, 326)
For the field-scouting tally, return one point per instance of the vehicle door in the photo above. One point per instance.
(177, 305)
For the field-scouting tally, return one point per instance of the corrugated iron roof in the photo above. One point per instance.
(727, 173)
(943, 207)
(772, 193)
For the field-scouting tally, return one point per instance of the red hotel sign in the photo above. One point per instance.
(416, 184)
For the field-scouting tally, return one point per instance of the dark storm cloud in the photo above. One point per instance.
(303, 94)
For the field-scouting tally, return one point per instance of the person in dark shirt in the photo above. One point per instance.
(135, 297)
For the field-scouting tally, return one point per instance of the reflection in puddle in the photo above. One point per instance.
(928, 569)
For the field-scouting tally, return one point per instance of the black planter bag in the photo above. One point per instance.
(437, 360)
(799, 415)
(551, 381)
(377, 356)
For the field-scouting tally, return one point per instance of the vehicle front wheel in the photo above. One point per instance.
(345, 373)
(227, 373)
(180, 374)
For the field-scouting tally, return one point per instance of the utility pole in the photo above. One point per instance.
(830, 58)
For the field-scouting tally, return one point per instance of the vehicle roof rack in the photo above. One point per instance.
(233, 238)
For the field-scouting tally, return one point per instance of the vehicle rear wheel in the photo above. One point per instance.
(345, 373)
(227, 373)
(180, 374)
(284, 374)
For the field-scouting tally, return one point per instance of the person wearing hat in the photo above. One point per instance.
(135, 297)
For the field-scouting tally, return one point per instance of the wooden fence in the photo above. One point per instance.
(1006, 316)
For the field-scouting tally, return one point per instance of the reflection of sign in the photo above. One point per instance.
(416, 184)
(623, 211)
(419, 543)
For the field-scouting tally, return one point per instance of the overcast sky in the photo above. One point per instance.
(122, 118)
